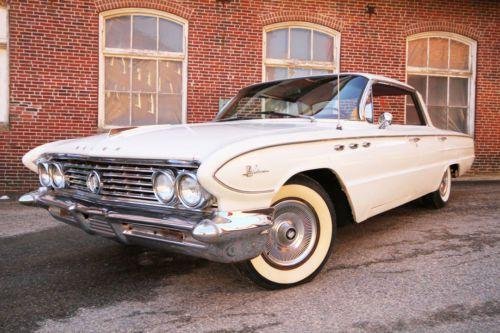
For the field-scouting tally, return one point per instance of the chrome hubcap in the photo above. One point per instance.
(293, 235)
(443, 187)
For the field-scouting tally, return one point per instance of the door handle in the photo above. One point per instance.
(353, 145)
(414, 140)
(338, 147)
(442, 138)
(366, 144)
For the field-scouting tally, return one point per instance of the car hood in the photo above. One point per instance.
(183, 142)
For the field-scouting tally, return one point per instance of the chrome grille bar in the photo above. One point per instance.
(121, 178)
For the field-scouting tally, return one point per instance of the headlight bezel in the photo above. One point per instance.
(45, 171)
(204, 195)
(59, 169)
(170, 174)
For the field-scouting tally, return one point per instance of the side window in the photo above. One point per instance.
(401, 103)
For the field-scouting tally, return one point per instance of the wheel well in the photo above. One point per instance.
(331, 184)
(454, 170)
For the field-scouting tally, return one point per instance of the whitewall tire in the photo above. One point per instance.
(441, 196)
(301, 239)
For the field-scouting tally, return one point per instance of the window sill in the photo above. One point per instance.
(4, 127)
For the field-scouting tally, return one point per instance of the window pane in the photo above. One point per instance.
(171, 34)
(457, 119)
(419, 82)
(411, 114)
(118, 32)
(143, 75)
(417, 53)
(300, 44)
(276, 73)
(320, 71)
(144, 34)
(143, 109)
(117, 74)
(458, 91)
(322, 47)
(437, 91)
(117, 109)
(438, 116)
(298, 72)
(169, 109)
(459, 55)
(170, 80)
(277, 44)
(438, 53)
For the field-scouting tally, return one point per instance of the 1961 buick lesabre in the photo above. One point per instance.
(263, 185)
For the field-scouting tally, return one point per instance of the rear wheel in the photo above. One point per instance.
(300, 240)
(440, 197)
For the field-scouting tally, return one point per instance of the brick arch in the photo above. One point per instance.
(285, 16)
(166, 6)
(445, 26)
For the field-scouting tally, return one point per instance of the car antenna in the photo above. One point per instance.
(339, 126)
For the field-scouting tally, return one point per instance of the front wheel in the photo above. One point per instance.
(300, 240)
(440, 197)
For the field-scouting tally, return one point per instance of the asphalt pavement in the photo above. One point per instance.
(411, 269)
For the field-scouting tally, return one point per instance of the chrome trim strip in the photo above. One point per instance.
(315, 141)
(114, 160)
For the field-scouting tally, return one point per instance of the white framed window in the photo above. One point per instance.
(4, 66)
(143, 68)
(294, 49)
(442, 67)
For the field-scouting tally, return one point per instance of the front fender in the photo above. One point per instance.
(250, 180)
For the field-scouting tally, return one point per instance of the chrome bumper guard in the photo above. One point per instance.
(219, 236)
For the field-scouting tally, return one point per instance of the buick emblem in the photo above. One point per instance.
(94, 183)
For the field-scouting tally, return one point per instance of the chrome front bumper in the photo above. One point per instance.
(217, 236)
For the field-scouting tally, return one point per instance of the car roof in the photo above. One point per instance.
(374, 77)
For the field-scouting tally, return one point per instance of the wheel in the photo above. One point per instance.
(301, 239)
(440, 197)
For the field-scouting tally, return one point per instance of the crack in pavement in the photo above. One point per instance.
(450, 314)
(475, 242)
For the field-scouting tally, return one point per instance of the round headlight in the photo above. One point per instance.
(190, 192)
(43, 174)
(57, 175)
(164, 185)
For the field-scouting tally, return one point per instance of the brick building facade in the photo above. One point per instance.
(61, 83)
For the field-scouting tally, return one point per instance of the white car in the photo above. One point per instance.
(265, 184)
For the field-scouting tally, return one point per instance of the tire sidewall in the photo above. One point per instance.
(312, 193)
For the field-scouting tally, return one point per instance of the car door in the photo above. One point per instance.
(396, 149)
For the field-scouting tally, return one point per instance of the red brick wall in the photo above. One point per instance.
(54, 60)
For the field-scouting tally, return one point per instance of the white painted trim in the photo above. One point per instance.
(470, 73)
(289, 63)
(4, 66)
(179, 56)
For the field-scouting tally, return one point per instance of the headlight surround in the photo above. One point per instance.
(164, 185)
(189, 190)
(43, 174)
(57, 176)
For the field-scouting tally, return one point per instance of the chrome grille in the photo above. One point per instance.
(125, 179)
(101, 227)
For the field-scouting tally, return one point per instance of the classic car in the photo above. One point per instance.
(264, 184)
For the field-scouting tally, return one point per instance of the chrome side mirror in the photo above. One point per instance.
(384, 120)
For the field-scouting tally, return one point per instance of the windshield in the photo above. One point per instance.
(302, 97)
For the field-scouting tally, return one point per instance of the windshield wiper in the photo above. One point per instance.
(231, 119)
(311, 118)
